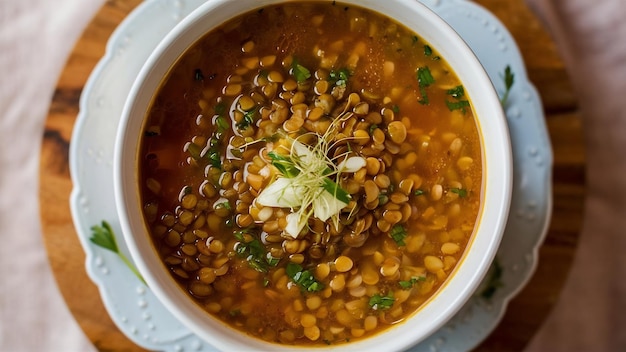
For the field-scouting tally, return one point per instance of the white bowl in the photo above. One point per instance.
(496, 190)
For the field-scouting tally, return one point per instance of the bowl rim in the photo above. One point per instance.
(444, 304)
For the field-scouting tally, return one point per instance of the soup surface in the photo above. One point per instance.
(311, 172)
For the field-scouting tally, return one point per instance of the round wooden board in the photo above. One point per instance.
(525, 313)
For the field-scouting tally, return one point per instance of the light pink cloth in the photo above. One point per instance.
(36, 37)
(591, 313)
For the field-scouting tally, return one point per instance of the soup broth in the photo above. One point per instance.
(311, 173)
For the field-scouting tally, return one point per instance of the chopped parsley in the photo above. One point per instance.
(300, 72)
(303, 278)
(103, 236)
(509, 79)
(339, 77)
(424, 79)
(419, 192)
(198, 75)
(457, 105)
(383, 198)
(247, 120)
(223, 205)
(460, 191)
(428, 51)
(284, 164)
(378, 302)
(253, 250)
(494, 280)
(410, 283)
(398, 234)
(457, 93)
(221, 123)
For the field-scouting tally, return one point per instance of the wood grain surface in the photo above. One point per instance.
(525, 313)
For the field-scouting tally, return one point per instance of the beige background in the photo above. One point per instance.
(36, 37)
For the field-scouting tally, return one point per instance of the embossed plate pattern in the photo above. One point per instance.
(133, 307)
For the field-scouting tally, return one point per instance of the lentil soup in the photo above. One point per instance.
(311, 172)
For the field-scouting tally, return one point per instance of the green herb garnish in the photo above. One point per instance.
(410, 283)
(424, 79)
(428, 51)
(300, 72)
(494, 280)
(398, 234)
(460, 191)
(509, 79)
(457, 105)
(222, 125)
(419, 192)
(214, 158)
(247, 120)
(382, 199)
(339, 77)
(104, 237)
(197, 75)
(456, 92)
(378, 302)
(223, 205)
(284, 164)
(333, 188)
(303, 278)
(254, 251)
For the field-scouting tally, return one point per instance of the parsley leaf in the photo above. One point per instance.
(494, 280)
(456, 92)
(424, 79)
(303, 278)
(410, 283)
(457, 105)
(300, 72)
(461, 192)
(509, 79)
(251, 248)
(104, 237)
(248, 119)
(418, 192)
(378, 302)
(372, 128)
(428, 51)
(198, 75)
(339, 77)
(398, 234)
(284, 164)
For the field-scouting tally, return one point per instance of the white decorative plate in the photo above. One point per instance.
(133, 307)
